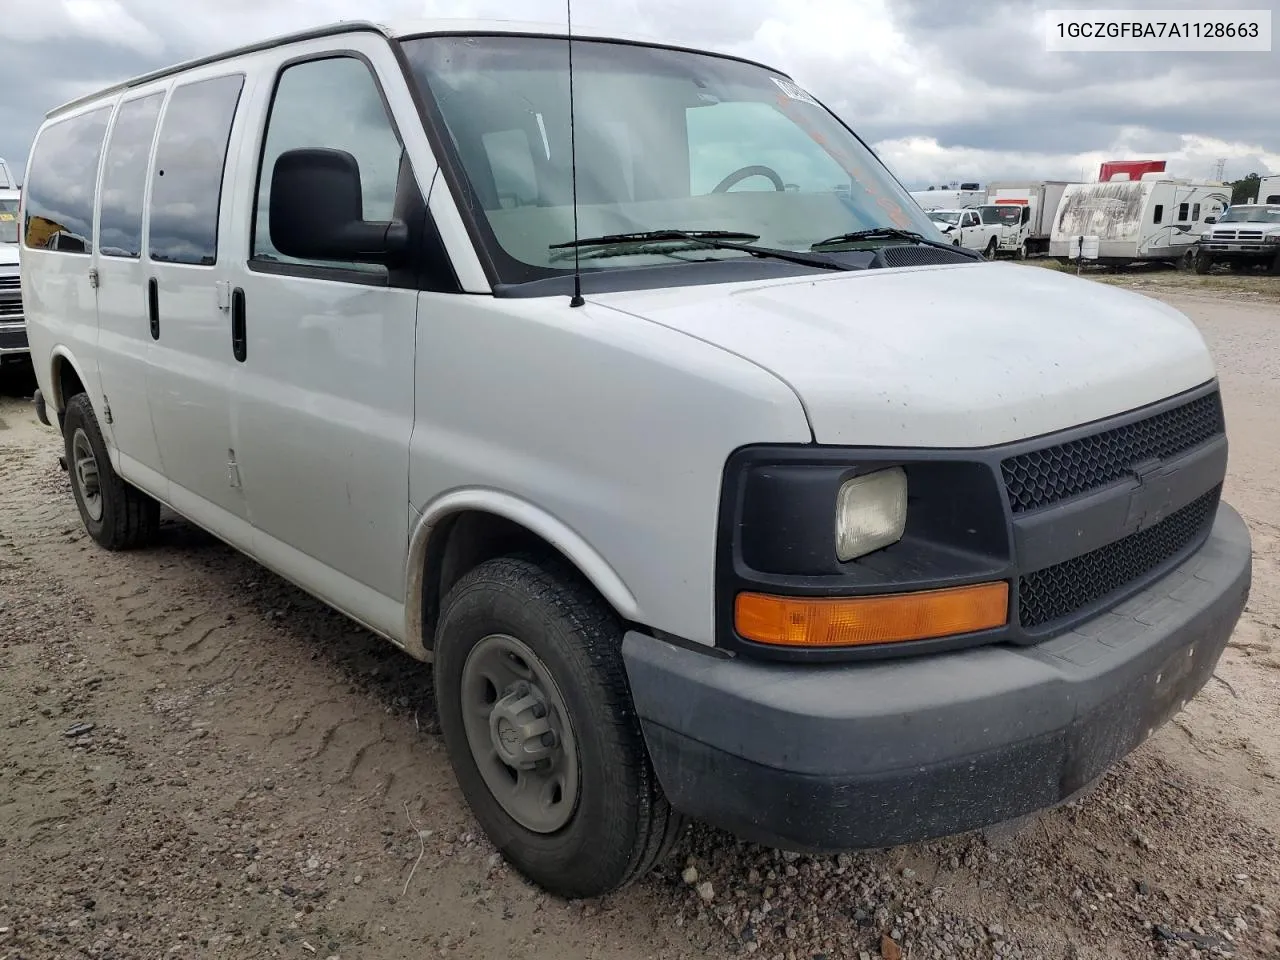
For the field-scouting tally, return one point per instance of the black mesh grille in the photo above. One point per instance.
(904, 256)
(1042, 477)
(10, 283)
(1059, 591)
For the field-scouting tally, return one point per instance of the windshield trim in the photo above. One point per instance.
(483, 242)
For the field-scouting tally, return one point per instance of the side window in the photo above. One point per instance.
(62, 183)
(971, 220)
(1195, 213)
(725, 138)
(1159, 213)
(335, 104)
(124, 177)
(186, 183)
(1182, 212)
(1273, 198)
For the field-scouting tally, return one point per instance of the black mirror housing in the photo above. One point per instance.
(317, 211)
(1210, 219)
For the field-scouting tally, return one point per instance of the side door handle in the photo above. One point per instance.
(153, 307)
(239, 336)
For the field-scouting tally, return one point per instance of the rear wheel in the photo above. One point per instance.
(538, 721)
(117, 515)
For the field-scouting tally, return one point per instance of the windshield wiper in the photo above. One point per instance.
(714, 239)
(893, 233)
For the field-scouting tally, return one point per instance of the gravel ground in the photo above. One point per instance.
(196, 760)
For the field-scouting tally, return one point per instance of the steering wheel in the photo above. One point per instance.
(746, 173)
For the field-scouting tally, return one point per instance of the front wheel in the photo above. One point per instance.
(1274, 269)
(1204, 263)
(117, 515)
(540, 728)
(990, 252)
(1021, 253)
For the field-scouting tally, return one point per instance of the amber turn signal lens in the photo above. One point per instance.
(857, 621)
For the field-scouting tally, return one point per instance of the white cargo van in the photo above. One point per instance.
(717, 493)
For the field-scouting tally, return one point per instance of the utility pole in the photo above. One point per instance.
(1219, 169)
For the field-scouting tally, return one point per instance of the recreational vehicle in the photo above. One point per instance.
(946, 198)
(1269, 190)
(1155, 218)
(765, 525)
(1039, 200)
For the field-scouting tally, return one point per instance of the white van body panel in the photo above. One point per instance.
(1269, 190)
(607, 426)
(888, 357)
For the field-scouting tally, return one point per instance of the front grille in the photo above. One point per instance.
(1056, 592)
(10, 283)
(1041, 477)
(10, 308)
(907, 256)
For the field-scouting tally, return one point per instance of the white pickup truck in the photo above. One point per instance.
(990, 228)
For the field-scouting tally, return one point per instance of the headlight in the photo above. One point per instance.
(1207, 235)
(871, 512)
(1273, 238)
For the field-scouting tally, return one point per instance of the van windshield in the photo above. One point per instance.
(665, 140)
(8, 220)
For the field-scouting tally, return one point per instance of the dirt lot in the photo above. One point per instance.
(198, 760)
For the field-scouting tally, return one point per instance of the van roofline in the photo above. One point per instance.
(404, 30)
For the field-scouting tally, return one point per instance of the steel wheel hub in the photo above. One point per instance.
(518, 729)
(85, 471)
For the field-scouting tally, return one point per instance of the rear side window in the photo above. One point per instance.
(1182, 212)
(1159, 213)
(124, 177)
(1195, 213)
(186, 185)
(62, 183)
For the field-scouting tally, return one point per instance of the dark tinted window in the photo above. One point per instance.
(62, 181)
(186, 187)
(1183, 209)
(124, 177)
(1159, 213)
(332, 103)
(1195, 213)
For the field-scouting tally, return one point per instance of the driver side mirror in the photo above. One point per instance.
(317, 211)
(1210, 219)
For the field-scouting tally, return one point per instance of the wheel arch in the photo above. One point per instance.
(464, 528)
(65, 379)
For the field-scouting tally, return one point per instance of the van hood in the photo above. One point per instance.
(953, 356)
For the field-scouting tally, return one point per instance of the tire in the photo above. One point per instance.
(990, 252)
(117, 516)
(1021, 253)
(1274, 269)
(1204, 263)
(620, 824)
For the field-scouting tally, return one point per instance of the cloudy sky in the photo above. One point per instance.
(944, 89)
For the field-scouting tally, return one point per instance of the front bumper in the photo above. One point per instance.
(836, 757)
(13, 338)
(1258, 251)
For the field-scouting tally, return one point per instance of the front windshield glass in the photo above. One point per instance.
(945, 217)
(666, 139)
(1251, 215)
(8, 221)
(1004, 213)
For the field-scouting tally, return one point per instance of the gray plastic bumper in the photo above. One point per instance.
(836, 757)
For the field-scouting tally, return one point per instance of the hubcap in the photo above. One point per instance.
(85, 467)
(519, 733)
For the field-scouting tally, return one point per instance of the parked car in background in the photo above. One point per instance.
(1039, 199)
(13, 331)
(1247, 235)
(967, 228)
(757, 503)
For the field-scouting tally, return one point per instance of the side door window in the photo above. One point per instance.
(333, 104)
(124, 177)
(186, 189)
